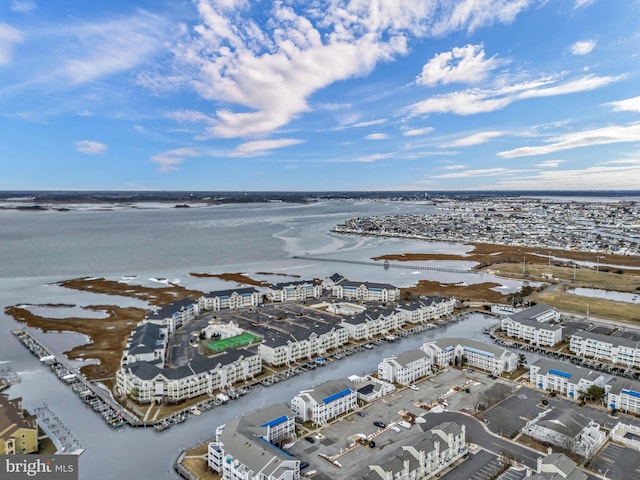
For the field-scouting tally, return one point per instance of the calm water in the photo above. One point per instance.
(40, 248)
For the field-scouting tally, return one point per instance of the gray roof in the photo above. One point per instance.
(320, 392)
(444, 343)
(617, 384)
(568, 470)
(532, 312)
(534, 323)
(387, 286)
(167, 311)
(618, 341)
(404, 358)
(565, 422)
(146, 338)
(575, 373)
(227, 293)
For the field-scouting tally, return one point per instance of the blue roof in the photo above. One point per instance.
(336, 396)
(477, 350)
(559, 373)
(276, 421)
(449, 348)
(630, 392)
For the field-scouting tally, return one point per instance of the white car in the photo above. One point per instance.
(414, 387)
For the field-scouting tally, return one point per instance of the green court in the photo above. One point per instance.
(238, 341)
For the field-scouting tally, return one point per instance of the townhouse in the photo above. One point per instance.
(426, 308)
(325, 401)
(526, 326)
(247, 447)
(294, 291)
(609, 348)
(372, 323)
(18, 429)
(540, 313)
(564, 378)
(623, 394)
(230, 299)
(147, 343)
(366, 291)
(405, 368)
(146, 382)
(456, 351)
(175, 314)
(431, 453)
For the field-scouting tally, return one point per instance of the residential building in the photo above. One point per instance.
(175, 314)
(330, 282)
(405, 368)
(540, 313)
(366, 291)
(372, 323)
(623, 394)
(491, 358)
(247, 448)
(325, 401)
(147, 343)
(566, 429)
(564, 378)
(230, 299)
(557, 466)
(18, 429)
(609, 348)
(526, 326)
(426, 308)
(294, 291)
(431, 453)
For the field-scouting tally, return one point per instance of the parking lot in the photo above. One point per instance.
(615, 461)
(509, 416)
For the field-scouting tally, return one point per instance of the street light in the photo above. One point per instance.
(598, 262)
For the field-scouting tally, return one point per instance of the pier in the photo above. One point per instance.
(8, 376)
(58, 432)
(385, 264)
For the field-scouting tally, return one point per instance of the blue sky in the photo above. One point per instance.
(320, 95)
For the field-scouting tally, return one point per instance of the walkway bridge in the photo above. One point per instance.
(386, 264)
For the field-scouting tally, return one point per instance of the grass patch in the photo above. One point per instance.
(238, 341)
(600, 308)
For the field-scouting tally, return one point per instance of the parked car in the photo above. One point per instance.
(380, 424)
(303, 465)
(414, 387)
(360, 414)
(310, 439)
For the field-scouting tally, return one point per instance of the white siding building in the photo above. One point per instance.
(279, 348)
(623, 394)
(563, 378)
(230, 299)
(447, 351)
(175, 314)
(425, 309)
(366, 291)
(294, 291)
(372, 323)
(606, 347)
(405, 368)
(325, 401)
(246, 448)
(526, 326)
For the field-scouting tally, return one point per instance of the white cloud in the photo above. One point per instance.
(377, 136)
(414, 132)
(482, 172)
(586, 138)
(260, 147)
(380, 121)
(9, 37)
(23, 6)
(583, 3)
(462, 65)
(549, 164)
(475, 100)
(91, 147)
(454, 167)
(628, 105)
(263, 75)
(475, 139)
(583, 48)
(169, 160)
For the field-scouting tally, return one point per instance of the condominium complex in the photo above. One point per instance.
(372, 323)
(325, 401)
(247, 448)
(230, 299)
(175, 314)
(525, 325)
(564, 378)
(294, 291)
(405, 368)
(426, 308)
(609, 348)
(623, 394)
(366, 291)
(448, 351)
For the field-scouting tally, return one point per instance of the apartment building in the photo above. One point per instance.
(623, 394)
(405, 368)
(450, 351)
(247, 448)
(609, 348)
(230, 299)
(426, 308)
(564, 378)
(147, 343)
(325, 401)
(372, 323)
(175, 314)
(294, 291)
(525, 326)
(431, 453)
(540, 313)
(18, 429)
(366, 291)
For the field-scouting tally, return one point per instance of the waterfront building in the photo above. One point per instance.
(405, 368)
(147, 343)
(230, 299)
(610, 348)
(247, 448)
(330, 282)
(431, 453)
(18, 429)
(426, 308)
(566, 429)
(564, 378)
(370, 388)
(285, 347)
(325, 401)
(623, 394)
(491, 358)
(526, 326)
(557, 466)
(372, 323)
(175, 314)
(146, 382)
(366, 291)
(294, 291)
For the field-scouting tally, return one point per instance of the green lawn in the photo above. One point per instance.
(217, 346)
